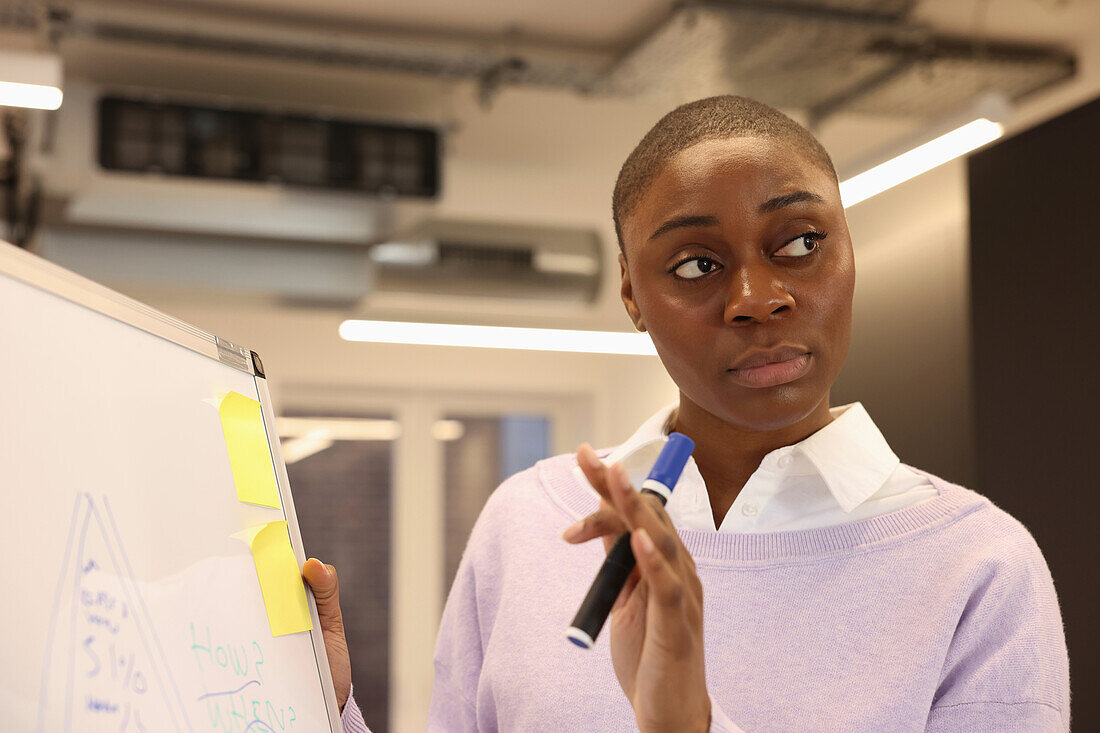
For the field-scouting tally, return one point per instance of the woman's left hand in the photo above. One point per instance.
(657, 621)
(326, 591)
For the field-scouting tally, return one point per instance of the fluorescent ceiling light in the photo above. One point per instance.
(980, 124)
(919, 160)
(498, 337)
(567, 263)
(416, 254)
(337, 428)
(447, 430)
(30, 80)
(34, 96)
(295, 449)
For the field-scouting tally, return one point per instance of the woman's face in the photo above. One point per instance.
(738, 254)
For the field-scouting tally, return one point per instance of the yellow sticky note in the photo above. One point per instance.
(281, 581)
(249, 455)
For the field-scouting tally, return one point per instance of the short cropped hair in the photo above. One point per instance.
(713, 118)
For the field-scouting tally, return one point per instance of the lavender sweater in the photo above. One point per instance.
(939, 617)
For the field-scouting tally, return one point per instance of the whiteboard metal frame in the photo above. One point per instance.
(285, 498)
(45, 275)
(49, 277)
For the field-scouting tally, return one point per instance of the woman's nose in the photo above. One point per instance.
(755, 295)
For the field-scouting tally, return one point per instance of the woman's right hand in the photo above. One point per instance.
(657, 622)
(326, 590)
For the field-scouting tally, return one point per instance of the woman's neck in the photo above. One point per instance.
(727, 454)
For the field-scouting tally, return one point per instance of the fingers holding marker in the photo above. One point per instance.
(603, 522)
(619, 567)
(664, 583)
(646, 515)
(601, 476)
(630, 505)
(642, 511)
(621, 507)
(593, 469)
(606, 522)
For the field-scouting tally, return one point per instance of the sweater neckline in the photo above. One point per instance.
(710, 545)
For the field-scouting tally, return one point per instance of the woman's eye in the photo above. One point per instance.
(695, 267)
(800, 246)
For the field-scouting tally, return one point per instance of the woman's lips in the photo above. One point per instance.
(770, 375)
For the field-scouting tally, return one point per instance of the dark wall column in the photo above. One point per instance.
(1035, 238)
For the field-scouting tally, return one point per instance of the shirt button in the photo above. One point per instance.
(783, 461)
(749, 510)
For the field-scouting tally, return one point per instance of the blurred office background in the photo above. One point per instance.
(267, 170)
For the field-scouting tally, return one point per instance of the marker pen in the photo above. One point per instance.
(620, 560)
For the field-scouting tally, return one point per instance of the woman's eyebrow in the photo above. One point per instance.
(787, 199)
(680, 222)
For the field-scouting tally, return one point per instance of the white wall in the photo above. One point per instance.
(909, 361)
(303, 353)
(536, 157)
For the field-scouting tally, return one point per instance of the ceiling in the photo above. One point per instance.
(623, 48)
(583, 23)
(908, 58)
(615, 24)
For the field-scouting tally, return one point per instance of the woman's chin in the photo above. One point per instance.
(769, 410)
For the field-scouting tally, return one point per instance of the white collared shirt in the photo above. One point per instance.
(843, 472)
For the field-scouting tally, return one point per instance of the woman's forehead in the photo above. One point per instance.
(734, 173)
(745, 160)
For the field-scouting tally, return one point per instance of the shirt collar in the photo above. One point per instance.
(652, 431)
(850, 454)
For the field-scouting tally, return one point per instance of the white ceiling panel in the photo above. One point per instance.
(583, 22)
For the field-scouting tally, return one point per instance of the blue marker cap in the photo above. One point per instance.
(670, 464)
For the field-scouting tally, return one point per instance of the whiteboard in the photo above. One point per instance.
(133, 604)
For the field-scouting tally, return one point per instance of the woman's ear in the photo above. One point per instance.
(626, 290)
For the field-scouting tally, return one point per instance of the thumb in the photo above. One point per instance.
(326, 591)
(325, 584)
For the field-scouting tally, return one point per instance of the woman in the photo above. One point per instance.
(840, 589)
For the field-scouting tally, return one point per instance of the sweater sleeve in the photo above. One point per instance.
(719, 721)
(458, 649)
(352, 717)
(1007, 667)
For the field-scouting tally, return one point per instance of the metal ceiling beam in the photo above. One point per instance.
(909, 53)
(817, 114)
(854, 15)
(441, 56)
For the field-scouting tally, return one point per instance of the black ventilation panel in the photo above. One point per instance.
(242, 145)
(457, 256)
